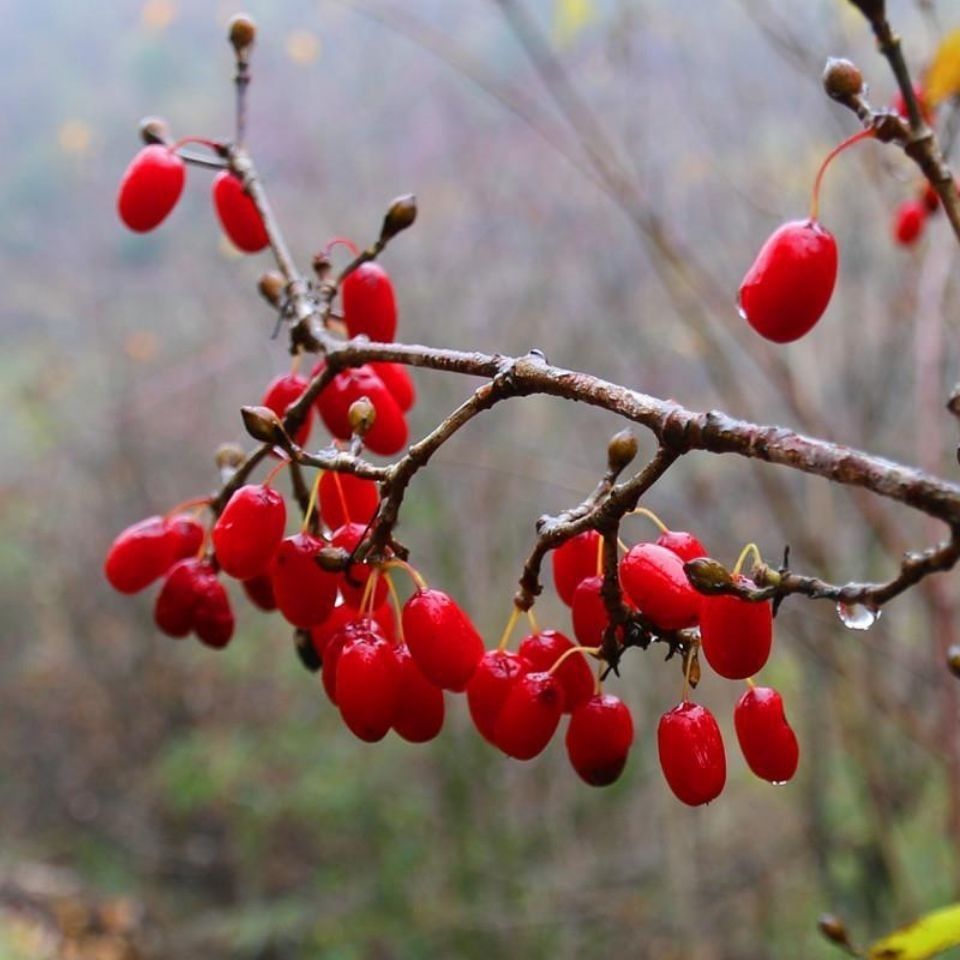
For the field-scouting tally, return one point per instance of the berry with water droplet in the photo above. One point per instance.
(354, 578)
(388, 433)
(530, 715)
(238, 214)
(150, 187)
(248, 532)
(543, 649)
(599, 738)
(368, 684)
(304, 591)
(767, 741)
(736, 634)
(652, 577)
(489, 687)
(692, 757)
(369, 304)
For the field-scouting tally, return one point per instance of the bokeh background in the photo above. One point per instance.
(158, 799)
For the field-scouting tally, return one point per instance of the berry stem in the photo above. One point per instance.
(187, 505)
(744, 553)
(410, 571)
(341, 241)
(598, 679)
(312, 502)
(508, 629)
(593, 651)
(650, 515)
(849, 142)
(749, 681)
(532, 618)
(343, 498)
(201, 141)
(686, 672)
(600, 557)
(366, 599)
(397, 606)
(270, 476)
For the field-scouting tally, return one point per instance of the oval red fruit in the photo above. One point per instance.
(304, 591)
(692, 757)
(259, 591)
(186, 536)
(139, 554)
(767, 741)
(542, 651)
(685, 545)
(248, 532)
(238, 214)
(652, 577)
(789, 285)
(490, 686)
(575, 560)
(369, 305)
(735, 634)
(908, 222)
(530, 715)
(281, 392)
(396, 378)
(213, 620)
(175, 603)
(420, 707)
(150, 187)
(599, 738)
(345, 498)
(441, 638)
(589, 612)
(368, 685)
(388, 434)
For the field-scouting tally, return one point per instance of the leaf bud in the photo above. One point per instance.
(621, 450)
(155, 130)
(833, 928)
(272, 286)
(707, 575)
(264, 425)
(361, 415)
(842, 79)
(229, 456)
(241, 31)
(402, 213)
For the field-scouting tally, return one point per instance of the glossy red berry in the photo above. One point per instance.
(283, 391)
(768, 743)
(589, 612)
(150, 187)
(368, 685)
(542, 650)
(530, 715)
(139, 554)
(238, 214)
(908, 222)
(685, 545)
(248, 532)
(328, 637)
(354, 579)
(420, 707)
(735, 634)
(789, 285)
(575, 560)
(175, 603)
(489, 687)
(259, 591)
(186, 536)
(213, 620)
(691, 751)
(599, 738)
(652, 577)
(397, 380)
(369, 305)
(442, 640)
(345, 498)
(388, 434)
(304, 591)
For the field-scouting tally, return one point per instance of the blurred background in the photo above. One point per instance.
(594, 177)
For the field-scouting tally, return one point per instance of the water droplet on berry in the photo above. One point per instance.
(857, 616)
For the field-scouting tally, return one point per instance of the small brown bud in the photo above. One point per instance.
(842, 79)
(953, 659)
(241, 31)
(229, 456)
(155, 130)
(707, 575)
(691, 666)
(322, 266)
(306, 651)
(264, 425)
(621, 450)
(402, 213)
(361, 415)
(332, 559)
(832, 927)
(272, 287)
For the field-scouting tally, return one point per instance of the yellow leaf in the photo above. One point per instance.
(570, 17)
(943, 77)
(926, 937)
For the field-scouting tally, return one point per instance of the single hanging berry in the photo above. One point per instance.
(599, 738)
(908, 222)
(530, 715)
(575, 560)
(238, 214)
(543, 649)
(281, 392)
(490, 686)
(369, 304)
(345, 498)
(768, 743)
(653, 578)
(213, 620)
(441, 638)
(186, 535)
(304, 591)
(420, 707)
(150, 187)
(248, 532)
(177, 599)
(735, 634)
(692, 757)
(140, 553)
(368, 685)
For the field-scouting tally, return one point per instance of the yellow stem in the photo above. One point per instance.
(410, 571)
(686, 673)
(312, 502)
(511, 623)
(650, 515)
(398, 609)
(593, 651)
(600, 557)
(744, 553)
(366, 598)
(532, 618)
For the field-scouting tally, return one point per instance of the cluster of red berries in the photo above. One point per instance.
(910, 217)
(735, 638)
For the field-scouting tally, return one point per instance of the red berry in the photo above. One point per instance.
(530, 715)
(139, 554)
(685, 545)
(691, 753)
(442, 640)
(736, 634)
(542, 650)
(259, 591)
(283, 391)
(930, 197)
(343, 626)
(589, 612)
(336, 620)
(175, 603)
(150, 187)
(354, 579)
(768, 743)
(304, 591)
(248, 532)
(489, 687)
(908, 222)
(420, 707)
(599, 738)
(388, 434)
(369, 305)
(575, 560)
(186, 536)
(789, 285)
(238, 214)
(345, 498)
(398, 381)
(652, 577)
(213, 620)
(368, 685)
